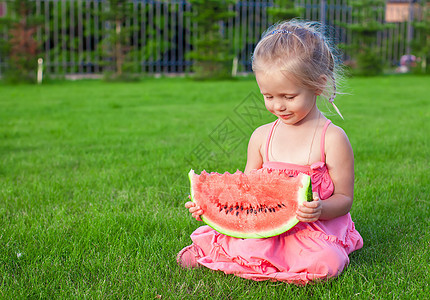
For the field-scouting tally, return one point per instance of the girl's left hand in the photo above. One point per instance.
(310, 211)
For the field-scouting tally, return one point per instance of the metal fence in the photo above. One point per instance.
(73, 33)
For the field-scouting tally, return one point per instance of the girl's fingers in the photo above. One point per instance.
(189, 204)
(196, 215)
(306, 215)
(313, 219)
(195, 209)
(308, 210)
(313, 204)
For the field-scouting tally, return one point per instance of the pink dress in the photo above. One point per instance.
(309, 251)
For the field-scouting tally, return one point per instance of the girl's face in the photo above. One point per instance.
(284, 98)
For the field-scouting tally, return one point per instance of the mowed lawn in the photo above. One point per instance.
(93, 178)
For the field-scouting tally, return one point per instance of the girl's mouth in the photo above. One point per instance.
(285, 116)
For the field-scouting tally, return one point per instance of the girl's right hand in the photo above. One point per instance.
(195, 210)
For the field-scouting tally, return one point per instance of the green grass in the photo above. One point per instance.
(93, 177)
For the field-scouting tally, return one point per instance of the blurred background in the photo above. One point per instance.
(125, 39)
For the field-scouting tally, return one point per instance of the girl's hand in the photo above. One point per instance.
(310, 211)
(195, 210)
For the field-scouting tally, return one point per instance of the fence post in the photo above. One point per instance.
(410, 27)
(322, 12)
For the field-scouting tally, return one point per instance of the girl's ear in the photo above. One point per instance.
(322, 81)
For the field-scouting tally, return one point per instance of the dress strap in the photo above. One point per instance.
(269, 138)
(323, 140)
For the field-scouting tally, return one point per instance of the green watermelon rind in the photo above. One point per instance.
(304, 194)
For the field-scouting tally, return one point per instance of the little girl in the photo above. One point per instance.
(293, 64)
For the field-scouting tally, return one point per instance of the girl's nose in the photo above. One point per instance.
(279, 105)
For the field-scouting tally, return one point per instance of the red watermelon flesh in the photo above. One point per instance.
(258, 205)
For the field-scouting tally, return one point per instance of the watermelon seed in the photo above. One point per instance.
(270, 209)
(226, 211)
(265, 210)
(255, 212)
(279, 205)
(231, 209)
(237, 213)
(241, 208)
(283, 205)
(237, 207)
(251, 210)
(220, 209)
(247, 211)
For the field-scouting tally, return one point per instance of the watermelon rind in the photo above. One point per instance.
(309, 194)
(304, 194)
(190, 176)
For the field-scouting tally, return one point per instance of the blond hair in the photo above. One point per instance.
(299, 49)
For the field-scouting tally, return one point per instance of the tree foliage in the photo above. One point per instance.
(364, 29)
(421, 42)
(283, 10)
(116, 45)
(21, 48)
(211, 51)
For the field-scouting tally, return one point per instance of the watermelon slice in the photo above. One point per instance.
(259, 205)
